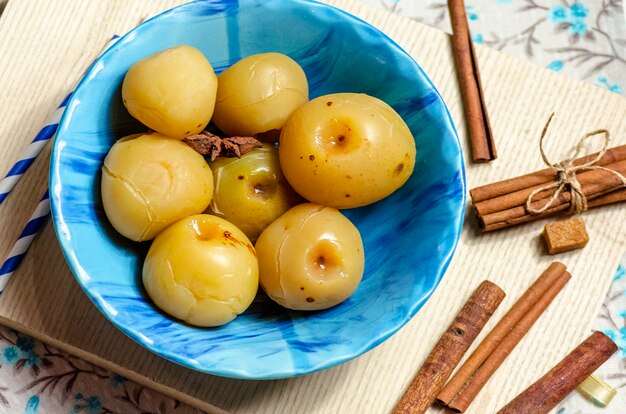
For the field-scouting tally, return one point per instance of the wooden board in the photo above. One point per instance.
(46, 46)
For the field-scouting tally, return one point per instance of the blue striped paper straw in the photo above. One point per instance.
(17, 253)
(42, 211)
(30, 153)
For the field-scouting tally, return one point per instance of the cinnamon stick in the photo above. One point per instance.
(450, 349)
(610, 198)
(540, 177)
(561, 380)
(481, 137)
(595, 183)
(499, 333)
(497, 357)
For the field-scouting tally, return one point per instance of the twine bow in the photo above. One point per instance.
(566, 174)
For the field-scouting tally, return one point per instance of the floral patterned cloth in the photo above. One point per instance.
(37, 378)
(585, 39)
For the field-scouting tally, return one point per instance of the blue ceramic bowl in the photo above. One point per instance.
(409, 238)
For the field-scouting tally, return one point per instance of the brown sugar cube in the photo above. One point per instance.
(563, 236)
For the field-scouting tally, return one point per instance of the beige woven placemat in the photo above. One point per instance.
(46, 45)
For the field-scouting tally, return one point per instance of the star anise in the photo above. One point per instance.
(206, 143)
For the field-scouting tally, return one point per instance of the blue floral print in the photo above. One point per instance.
(32, 405)
(32, 360)
(555, 65)
(578, 27)
(90, 405)
(24, 343)
(573, 18)
(613, 87)
(11, 354)
(579, 10)
(558, 14)
(478, 39)
(117, 380)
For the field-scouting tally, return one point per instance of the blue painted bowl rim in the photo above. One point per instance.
(57, 216)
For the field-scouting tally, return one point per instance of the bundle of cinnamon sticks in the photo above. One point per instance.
(503, 204)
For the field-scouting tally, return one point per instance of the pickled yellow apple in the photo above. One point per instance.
(310, 258)
(251, 191)
(150, 181)
(172, 92)
(346, 150)
(258, 94)
(202, 270)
